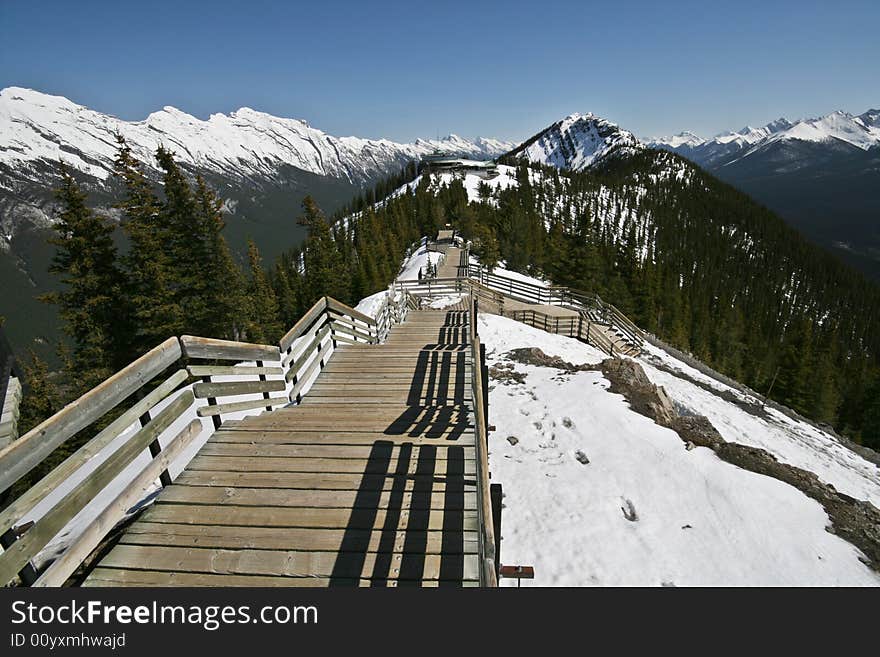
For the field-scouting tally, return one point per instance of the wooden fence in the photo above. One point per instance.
(144, 407)
(595, 309)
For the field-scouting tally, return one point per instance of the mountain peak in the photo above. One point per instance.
(577, 142)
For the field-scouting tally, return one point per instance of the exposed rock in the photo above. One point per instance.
(536, 357)
(513, 440)
(506, 376)
(581, 457)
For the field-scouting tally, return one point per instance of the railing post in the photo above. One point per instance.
(155, 447)
(262, 377)
(212, 401)
(496, 495)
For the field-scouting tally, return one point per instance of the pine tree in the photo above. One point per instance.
(41, 399)
(85, 262)
(219, 308)
(325, 274)
(155, 313)
(263, 324)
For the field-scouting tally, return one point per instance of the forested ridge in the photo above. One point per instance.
(684, 255)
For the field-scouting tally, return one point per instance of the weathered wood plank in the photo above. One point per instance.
(342, 309)
(65, 565)
(292, 563)
(219, 370)
(16, 509)
(228, 388)
(439, 451)
(203, 514)
(219, 409)
(311, 480)
(36, 538)
(309, 350)
(353, 499)
(304, 324)
(466, 468)
(364, 336)
(108, 577)
(214, 349)
(282, 538)
(325, 437)
(22, 455)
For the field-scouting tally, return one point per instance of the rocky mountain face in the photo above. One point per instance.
(577, 142)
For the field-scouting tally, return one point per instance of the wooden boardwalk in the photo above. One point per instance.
(371, 480)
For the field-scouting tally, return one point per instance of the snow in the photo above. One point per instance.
(36, 126)
(700, 521)
(418, 261)
(578, 141)
(685, 138)
(370, 305)
(790, 441)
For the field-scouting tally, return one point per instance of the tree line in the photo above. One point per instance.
(685, 256)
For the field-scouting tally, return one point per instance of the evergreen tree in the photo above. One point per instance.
(325, 274)
(40, 399)
(150, 292)
(85, 263)
(263, 323)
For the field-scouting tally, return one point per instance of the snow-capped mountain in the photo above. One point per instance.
(36, 127)
(862, 131)
(262, 166)
(577, 142)
(821, 174)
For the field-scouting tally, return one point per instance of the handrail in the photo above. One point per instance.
(303, 350)
(565, 297)
(488, 566)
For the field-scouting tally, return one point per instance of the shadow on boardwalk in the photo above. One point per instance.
(393, 526)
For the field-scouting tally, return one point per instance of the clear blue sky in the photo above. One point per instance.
(378, 68)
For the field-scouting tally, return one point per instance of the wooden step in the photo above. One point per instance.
(380, 519)
(351, 499)
(281, 538)
(293, 563)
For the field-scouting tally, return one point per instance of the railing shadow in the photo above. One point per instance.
(395, 525)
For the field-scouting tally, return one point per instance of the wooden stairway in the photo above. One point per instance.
(370, 480)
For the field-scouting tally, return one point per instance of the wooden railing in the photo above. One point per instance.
(144, 407)
(487, 538)
(591, 311)
(553, 295)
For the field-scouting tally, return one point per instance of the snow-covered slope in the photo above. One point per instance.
(38, 127)
(577, 142)
(596, 494)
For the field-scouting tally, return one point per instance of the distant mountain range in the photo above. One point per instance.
(821, 174)
(262, 165)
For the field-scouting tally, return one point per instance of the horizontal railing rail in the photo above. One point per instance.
(578, 300)
(154, 405)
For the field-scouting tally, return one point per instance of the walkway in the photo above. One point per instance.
(371, 480)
